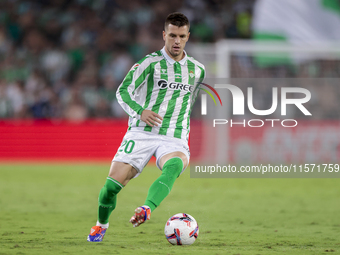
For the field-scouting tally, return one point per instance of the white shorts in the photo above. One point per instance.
(138, 147)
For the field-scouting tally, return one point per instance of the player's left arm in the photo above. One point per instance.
(151, 118)
(198, 83)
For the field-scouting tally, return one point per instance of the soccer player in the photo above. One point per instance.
(158, 94)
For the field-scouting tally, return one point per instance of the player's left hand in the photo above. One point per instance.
(151, 118)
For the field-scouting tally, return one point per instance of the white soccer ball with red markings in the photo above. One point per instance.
(181, 229)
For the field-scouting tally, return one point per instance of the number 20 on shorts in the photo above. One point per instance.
(127, 146)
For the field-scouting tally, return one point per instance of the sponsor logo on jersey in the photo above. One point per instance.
(164, 71)
(163, 84)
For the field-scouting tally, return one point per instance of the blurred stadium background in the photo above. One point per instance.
(61, 62)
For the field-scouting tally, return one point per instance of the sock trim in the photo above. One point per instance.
(113, 180)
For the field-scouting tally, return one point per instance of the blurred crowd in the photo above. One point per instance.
(66, 58)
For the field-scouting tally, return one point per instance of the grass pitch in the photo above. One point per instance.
(49, 209)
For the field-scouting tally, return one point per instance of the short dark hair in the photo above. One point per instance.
(177, 19)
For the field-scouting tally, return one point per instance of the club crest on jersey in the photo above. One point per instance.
(134, 67)
(163, 84)
(191, 74)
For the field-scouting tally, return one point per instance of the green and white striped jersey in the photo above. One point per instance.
(162, 85)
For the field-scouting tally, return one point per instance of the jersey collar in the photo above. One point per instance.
(170, 60)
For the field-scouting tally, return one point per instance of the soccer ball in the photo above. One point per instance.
(181, 229)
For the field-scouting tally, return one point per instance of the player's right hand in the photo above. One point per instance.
(151, 118)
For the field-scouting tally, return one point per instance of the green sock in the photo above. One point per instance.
(107, 199)
(163, 185)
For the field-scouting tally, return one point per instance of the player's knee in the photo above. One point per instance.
(122, 172)
(185, 161)
(173, 167)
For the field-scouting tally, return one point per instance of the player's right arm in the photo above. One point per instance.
(126, 95)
